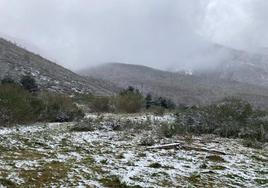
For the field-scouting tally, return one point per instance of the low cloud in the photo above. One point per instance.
(158, 33)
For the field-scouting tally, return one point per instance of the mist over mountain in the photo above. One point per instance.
(181, 88)
(232, 65)
(156, 33)
(218, 41)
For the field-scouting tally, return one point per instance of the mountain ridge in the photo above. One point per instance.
(181, 88)
(16, 62)
(237, 65)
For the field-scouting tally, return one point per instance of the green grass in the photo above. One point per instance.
(262, 181)
(155, 165)
(215, 158)
(218, 168)
(7, 183)
(51, 172)
(115, 182)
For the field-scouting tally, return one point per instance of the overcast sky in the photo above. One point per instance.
(158, 33)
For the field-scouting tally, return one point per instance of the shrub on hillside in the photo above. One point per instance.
(29, 83)
(7, 80)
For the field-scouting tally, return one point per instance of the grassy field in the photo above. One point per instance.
(50, 155)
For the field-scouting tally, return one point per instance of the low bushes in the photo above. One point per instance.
(100, 104)
(229, 118)
(16, 105)
(21, 106)
(58, 108)
(129, 100)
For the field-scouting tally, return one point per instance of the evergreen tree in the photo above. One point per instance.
(148, 101)
(28, 83)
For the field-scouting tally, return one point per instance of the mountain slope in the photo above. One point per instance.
(16, 61)
(236, 65)
(181, 88)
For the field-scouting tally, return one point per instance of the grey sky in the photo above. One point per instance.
(159, 33)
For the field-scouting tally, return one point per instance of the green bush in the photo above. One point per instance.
(84, 99)
(95, 103)
(148, 101)
(29, 83)
(8, 80)
(58, 108)
(159, 102)
(229, 118)
(164, 103)
(16, 105)
(230, 109)
(100, 104)
(19, 106)
(167, 130)
(129, 101)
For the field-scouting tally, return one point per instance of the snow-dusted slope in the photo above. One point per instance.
(53, 156)
(241, 66)
(182, 88)
(16, 61)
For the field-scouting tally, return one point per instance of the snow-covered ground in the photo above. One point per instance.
(50, 155)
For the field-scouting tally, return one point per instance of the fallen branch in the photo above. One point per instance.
(185, 147)
(166, 146)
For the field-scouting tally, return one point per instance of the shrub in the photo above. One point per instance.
(229, 118)
(28, 83)
(16, 105)
(148, 101)
(164, 103)
(167, 130)
(59, 108)
(8, 80)
(252, 143)
(100, 104)
(129, 101)
(19, 106)
(84, 99)
(231, 109)
(159, 104)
